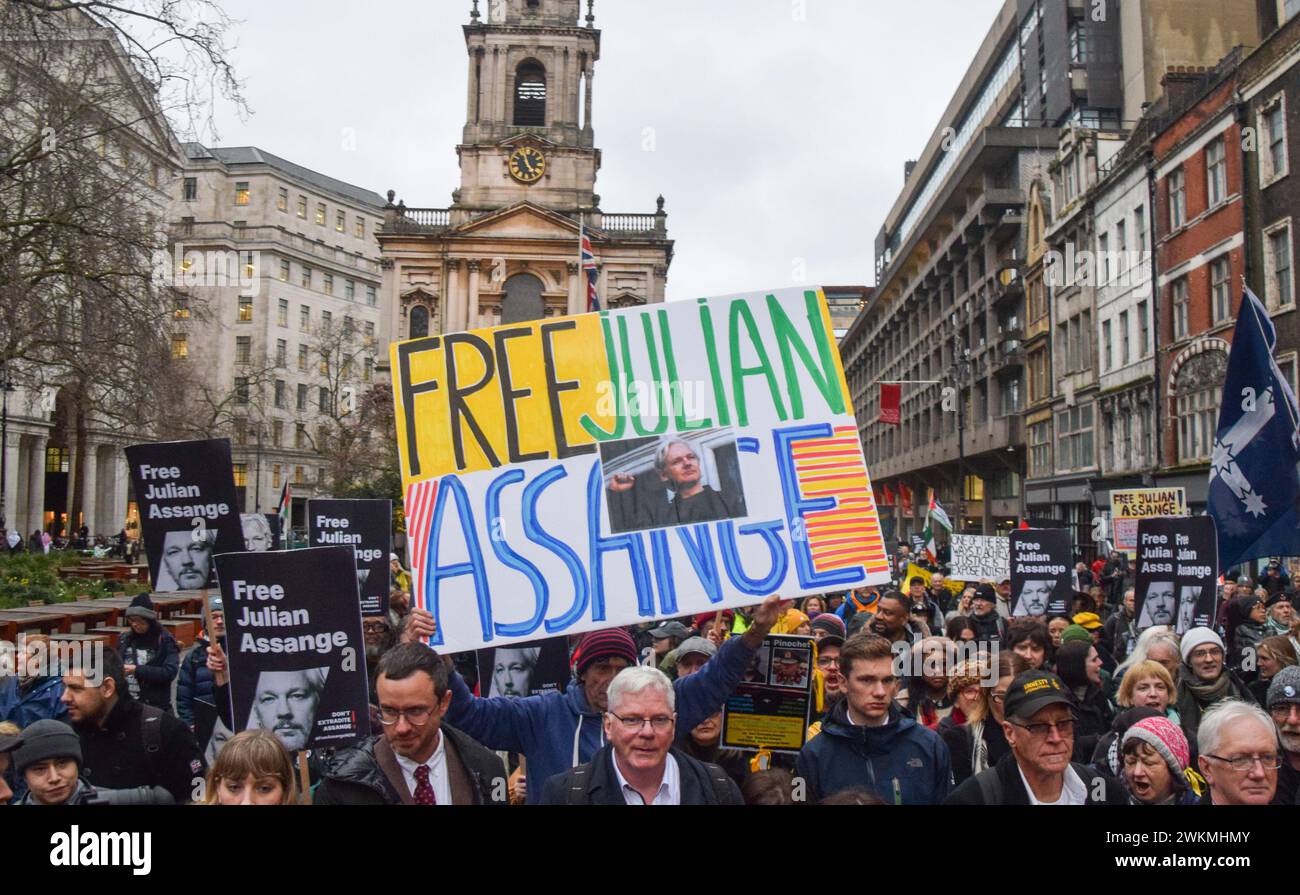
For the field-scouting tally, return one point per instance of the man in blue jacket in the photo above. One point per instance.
(557, 731)
(195, 681)
(33, 694)
(868, 742)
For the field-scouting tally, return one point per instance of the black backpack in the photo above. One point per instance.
(578, 795)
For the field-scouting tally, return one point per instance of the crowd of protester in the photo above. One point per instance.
(926, 693)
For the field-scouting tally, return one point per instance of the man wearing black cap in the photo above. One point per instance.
(48, 758)
(1039, 727)
(989, 625)
(924, 605)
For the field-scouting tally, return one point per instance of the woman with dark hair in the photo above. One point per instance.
(1031, 641)
(1272, 655)
(960, 630)
(775, 786)
(150, 656)
(973, 732)
(1248, 635)
(926, 692)
(813, 606)
(1079, 667)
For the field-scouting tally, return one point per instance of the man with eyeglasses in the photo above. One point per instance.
(1284, 708)
(639, 765)
(419, 759)
(1205, 680)
(1038, 715)
(1239, 754)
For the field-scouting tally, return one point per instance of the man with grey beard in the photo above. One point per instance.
(1284, 708)
(380, 638)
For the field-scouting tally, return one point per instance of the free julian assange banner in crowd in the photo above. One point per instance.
(1041, 580)
(188, 509)
(604, 469)
(366, 526)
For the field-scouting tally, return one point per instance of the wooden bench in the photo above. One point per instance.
(112, 632)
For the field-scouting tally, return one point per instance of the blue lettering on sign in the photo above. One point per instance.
(771, 534)
(451, 488)
(797, 507)
(543, 538)
(664, 572)
(599, 546)
(513, 560)
(701, 556)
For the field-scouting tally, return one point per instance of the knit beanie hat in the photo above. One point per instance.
(1076, 633)
(44, 740)
(1285, 688)
(614, 643)
(967, 674)
(142, 607)
(830, 623)
(1162, 735)
(1199, 637)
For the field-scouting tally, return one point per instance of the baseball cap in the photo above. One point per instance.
(985, 592)
(670, 629)
(830, 640)
(1033, 691)
(916, 579)
(700, 645)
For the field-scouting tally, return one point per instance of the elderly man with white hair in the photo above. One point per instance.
(638, 764)
(1239, 754)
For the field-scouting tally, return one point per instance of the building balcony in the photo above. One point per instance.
(399, 220)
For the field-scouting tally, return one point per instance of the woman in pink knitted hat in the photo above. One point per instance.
(1157, 765)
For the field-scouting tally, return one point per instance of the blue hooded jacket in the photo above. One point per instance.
(902, 762)
(42, 701)
(557, 731)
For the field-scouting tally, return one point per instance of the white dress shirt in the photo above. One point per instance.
(1073, 790)
(437, 765)
(670, 789)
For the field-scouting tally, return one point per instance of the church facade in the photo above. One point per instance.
(507, 248)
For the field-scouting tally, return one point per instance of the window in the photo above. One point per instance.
(368, 369)
(304, 318)
(282, 312)
(250, 266)
(180, 346)
(1177, 199)
(302, 207)
(297, 475)
(349, 324)
(1221, 289)
(57, 459)
(1216, 172)
(1079, 43)
(282, 200)
(243, 349)
(281, 353)
(320, 213)
(241, 193)
(277, 432)
(1074, 436)
(275, 474)
(306, 277)
(350, 290)
(324, 399)
(1103, 262)
(370, 296)
(1182, 323)
(329, 284)
(1121, 248)
(370, 332)
(181, 306)
(190, 189)
(240, 470)
(326, 321)
(1144, 328)
(324, 363)
(302, 405)
(1279, 290)
(245, 308)
(360, 231)
(1273, 159)
(241, 390)
(530, 95)
(1140, 228)
(340, 221)
(1124, 355)
(1107, 359)
(280, 394)
(302, 358)
(284, 271)
(1040, 449)
(1197, 417)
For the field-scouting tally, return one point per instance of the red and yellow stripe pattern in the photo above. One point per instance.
(847, 535)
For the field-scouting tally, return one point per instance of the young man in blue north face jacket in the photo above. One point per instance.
(557, 731)
(868, 742)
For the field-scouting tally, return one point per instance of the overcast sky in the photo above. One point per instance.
(774, 139)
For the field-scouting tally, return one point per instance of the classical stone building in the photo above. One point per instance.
(506, 250)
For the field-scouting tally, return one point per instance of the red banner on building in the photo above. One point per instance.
(891, 396)
(905, 497)
(887, 498)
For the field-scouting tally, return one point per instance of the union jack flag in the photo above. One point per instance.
(589, 268)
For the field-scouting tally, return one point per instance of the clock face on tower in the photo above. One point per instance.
(527, 165)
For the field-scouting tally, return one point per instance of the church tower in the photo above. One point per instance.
(507, 249)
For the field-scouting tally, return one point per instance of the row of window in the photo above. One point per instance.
(277, 475)
(1117, 347)
(307, 279)
(244, 197)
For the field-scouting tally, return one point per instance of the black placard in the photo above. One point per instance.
(188, 509)
(294, 645)
(1177, 572)
(524, 669)
(366, 526)
(1041, 579)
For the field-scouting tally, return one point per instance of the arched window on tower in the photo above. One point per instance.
(530, 95)
(419, 322)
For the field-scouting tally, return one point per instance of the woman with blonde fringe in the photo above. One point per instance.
(253, 768)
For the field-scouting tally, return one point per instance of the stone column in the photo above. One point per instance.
(586, 121)
(89, 468)
(36, 484)
(117, 489)
(452, 304)
(473, 320)
(576, 304)
(12, 510)
(474, 86)
(501, 90)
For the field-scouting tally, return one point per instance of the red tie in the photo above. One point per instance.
(423, 789)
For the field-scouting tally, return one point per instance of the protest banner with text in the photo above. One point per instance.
(1177, 573)
(1042, 580)
(366, 526)
(770, 708)
(576, 473)
(979, 558)
(1128, 506)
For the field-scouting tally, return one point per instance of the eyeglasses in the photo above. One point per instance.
(1270, 761)
(826, 661)
(416, 717)
(1282, 712)
(1212, 652)
(1064, 728)
(635, 723)
(375, 628)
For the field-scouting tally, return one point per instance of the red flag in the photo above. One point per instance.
(1024, 525)
(891, 395)
(889, 498)
(905, 495)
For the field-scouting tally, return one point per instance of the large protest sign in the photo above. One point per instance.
(1127, 507)
(1177, 572)
(1041, 572)
(294, 645)
(979, 558)
(188, 509)
(364, 525)
(524, 669)
(770, 707)
(605, 469)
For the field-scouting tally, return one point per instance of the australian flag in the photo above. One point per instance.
(589, 269)
(1254, 480)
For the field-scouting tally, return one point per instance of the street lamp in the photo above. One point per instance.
(6, 386)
